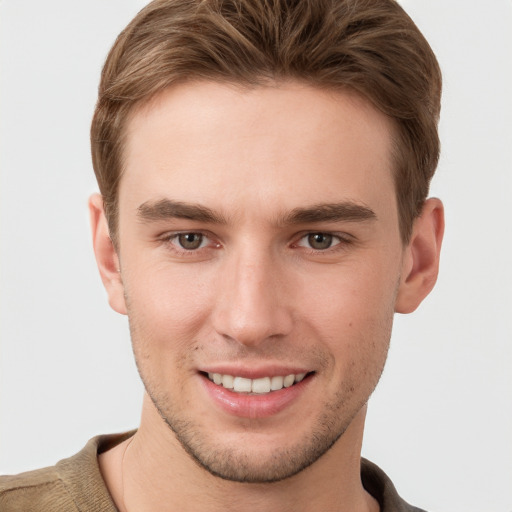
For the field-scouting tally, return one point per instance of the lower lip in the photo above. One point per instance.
(254, 406)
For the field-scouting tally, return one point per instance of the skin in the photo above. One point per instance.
(255, 169)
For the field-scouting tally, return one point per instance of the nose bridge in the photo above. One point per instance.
(252, 306)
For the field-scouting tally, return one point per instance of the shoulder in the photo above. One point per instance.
(72, 485)
(33, 491)
(379, 485)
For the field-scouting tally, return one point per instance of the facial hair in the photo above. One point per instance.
(235, 463)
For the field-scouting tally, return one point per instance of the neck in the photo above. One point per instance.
(154, 460)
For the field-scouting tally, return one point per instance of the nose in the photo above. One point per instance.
(251, 305)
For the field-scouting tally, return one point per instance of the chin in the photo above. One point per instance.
(256, 457)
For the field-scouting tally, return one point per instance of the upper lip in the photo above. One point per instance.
(255, 372)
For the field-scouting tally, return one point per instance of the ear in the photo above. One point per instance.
(421, 257)
(106, 255)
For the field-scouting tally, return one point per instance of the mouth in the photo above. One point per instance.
(259, 386)
(256, 393)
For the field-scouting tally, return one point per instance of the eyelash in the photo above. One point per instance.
(170, 238)
(338, 242)
(343, 240)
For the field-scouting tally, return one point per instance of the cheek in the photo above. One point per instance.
(353, 297)
(167, 311)
(354, 315)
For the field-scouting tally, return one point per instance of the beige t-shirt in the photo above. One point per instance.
(76, 484)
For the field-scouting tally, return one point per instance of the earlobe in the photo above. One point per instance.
(421, 257)
(106, 255)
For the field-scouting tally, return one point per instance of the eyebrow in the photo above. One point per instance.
(330, 212)
(165, 209)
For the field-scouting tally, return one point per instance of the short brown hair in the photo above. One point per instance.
(370, 46)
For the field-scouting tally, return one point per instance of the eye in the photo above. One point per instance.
(319, 241)
(189, 241)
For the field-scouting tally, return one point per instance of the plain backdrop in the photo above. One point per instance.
(440, 423)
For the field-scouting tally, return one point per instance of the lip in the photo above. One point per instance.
(254, 406)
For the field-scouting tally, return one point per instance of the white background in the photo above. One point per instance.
(440, 424)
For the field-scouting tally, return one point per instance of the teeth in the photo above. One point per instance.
(261, 385)
(241, 385)
(257, 386)
(288, 380)
(276, 383)
(227, 381)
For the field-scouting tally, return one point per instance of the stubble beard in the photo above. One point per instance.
(238, 465)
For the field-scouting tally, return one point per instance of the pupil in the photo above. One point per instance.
(190, 240)
(320, 240)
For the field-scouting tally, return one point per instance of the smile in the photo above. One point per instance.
(255, 386)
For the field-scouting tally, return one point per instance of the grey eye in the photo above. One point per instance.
(320, 241)
(190, 241)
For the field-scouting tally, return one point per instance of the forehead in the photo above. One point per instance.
(276, 147)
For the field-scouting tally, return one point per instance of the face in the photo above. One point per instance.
(260, 258)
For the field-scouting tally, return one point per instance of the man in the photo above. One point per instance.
(264, 168)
